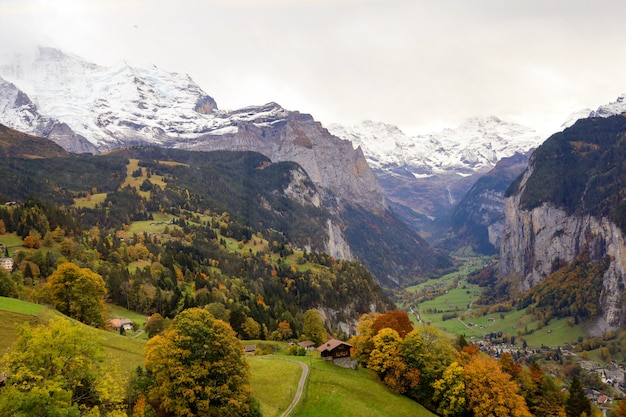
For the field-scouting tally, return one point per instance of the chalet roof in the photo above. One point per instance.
(306, 344)
(249, 348)
(119, 322)
(332, 345)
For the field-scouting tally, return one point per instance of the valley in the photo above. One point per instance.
(432, 270)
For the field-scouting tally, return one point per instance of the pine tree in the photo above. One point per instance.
(577, 403)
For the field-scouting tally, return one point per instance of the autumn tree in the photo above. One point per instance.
(542, 393)
(394, 319)
(386, 360)
(490, 391)
(59, 370)
(449, 391)
(251, 328)
(156, 324)
(284, 331)
(198, 368)
(620, 408)
(427, 350)
(362, 343)
(313, 327)
(78, 293)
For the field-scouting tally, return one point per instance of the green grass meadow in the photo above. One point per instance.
(331, 390)
(273, 382)
(335, 391)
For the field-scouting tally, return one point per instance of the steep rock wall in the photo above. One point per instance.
(533, 240)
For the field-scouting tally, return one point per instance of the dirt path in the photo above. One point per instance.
(296, 398)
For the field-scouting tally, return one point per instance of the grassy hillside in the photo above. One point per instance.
(335, 391)
(330, 391)
(14, 144)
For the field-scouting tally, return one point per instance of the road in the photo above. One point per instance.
(296, 398)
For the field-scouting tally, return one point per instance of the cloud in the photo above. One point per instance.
(407, 62)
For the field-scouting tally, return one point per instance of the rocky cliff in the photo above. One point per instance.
(477, 220)
(570, 200)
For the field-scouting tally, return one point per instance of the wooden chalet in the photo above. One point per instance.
(335, 349)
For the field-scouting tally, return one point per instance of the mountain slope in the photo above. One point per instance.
(425, 176)
(14, 144)
(19, 112)
(567, 204)
(125, 105)
(477, 220)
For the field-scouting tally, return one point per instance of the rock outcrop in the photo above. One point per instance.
(547, 227)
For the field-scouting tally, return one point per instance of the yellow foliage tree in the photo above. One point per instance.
(59, 370)
(362, 343)
(78, 293)
(450, 391)
(490, 391)
(198, 368)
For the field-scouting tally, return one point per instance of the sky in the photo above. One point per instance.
(420, 65)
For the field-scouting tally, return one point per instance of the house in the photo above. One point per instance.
(249, 349)
(307, 345)
(118, 323)
(335, 349)
(7, 264)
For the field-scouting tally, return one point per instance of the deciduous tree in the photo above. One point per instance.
(78, 293)
(362, 343)
(198, 368)
(251, 329)
(59, 370)
(394, 319)
(449, 394)
(314, 327)
(490, 391)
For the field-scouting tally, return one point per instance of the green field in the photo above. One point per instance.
(330, 391)
(472, 322)
(335, 391)
(11, 241)
(91, 201)
(273, 382)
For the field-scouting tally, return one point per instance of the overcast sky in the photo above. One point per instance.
(417, 64)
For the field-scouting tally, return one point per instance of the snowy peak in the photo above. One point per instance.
(611, 109)
(106, 104)
(477, 143)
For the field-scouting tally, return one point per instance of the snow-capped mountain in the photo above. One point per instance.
(611, 109)
(126, 105)
(476, 144)
(425, 176)
(106, 105)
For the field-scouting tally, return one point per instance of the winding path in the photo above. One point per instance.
(296, 398)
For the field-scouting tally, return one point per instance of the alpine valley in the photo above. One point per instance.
(130, 185)
(365, 183)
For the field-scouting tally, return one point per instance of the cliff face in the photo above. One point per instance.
(281, 135)
(535, 240)
(548, 223)
(478, 219)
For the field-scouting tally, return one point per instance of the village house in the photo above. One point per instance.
(334, 349)
(307, 345)
(6, 264)
(120, 322)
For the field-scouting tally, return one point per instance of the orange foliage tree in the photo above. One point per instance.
(394, 319)
(490, 391)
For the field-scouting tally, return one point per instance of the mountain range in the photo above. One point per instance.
(425, 176)
(106, 108)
